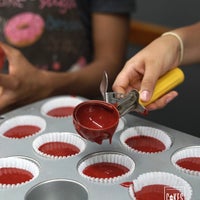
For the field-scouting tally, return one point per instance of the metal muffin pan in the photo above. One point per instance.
(59, 178)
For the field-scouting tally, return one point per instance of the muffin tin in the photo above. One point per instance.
(55, 177)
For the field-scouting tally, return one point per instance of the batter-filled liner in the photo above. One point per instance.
(146, 140)
(58, 145)
(187, 160)
(15, 171)
(160, 185)
(22, 126)
(60, 107)
(106, 167)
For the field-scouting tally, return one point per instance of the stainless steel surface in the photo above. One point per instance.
(53, 171)
(125, 103)
(130, 103)
(57, 190)
(104, 85)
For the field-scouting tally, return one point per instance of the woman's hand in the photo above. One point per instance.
(143, 70)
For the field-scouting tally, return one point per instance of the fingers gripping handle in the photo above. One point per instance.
(166, 83)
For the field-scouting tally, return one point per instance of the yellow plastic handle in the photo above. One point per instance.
(166, 83)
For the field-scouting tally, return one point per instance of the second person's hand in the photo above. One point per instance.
(22, 84)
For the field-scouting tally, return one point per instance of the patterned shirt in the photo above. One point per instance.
(54, 34)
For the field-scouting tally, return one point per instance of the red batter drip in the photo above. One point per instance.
(158, 192)
(61, 111)
(105, 170)
(126, 184)
(15, 176)
(145, 144)
(192, 163)
(59, 149)
(21, 131)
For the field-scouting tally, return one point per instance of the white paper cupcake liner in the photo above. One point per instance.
(68, 101)
(161, 178)
(67, 137)
(19, 163)
(23, 121)
(145, 131)
(192, 151)
(110, 158)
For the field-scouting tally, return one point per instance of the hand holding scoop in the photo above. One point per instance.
(97, 120)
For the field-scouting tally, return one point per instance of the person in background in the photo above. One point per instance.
(60, 47)
(180, 46)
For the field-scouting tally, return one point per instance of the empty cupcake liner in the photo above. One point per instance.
(23, 120)
(189, 152)
(18, 163)
(66, 137)
(145, 131)
(115, 158)
(161, 178)
(59, 102)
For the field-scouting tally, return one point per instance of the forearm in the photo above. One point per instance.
(84, 82)
(110, 34)
(191, 41)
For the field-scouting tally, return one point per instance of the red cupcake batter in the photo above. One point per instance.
(61, 111)
(59, 149)
(192, 163)
(97, 117)
(126, 184)
(145, 144)
(158, 192)
(105, 170)
(21, 131)
(11, 175)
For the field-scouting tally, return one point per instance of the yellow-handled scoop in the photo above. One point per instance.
(166, 83)
(130, 102)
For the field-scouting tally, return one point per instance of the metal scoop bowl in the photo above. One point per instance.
(96, 120)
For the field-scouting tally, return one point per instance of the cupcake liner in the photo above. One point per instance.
(65, 137)
(114, 158)
(24, 120)
(189, 152)
(145, 131)
(59, 102)
(160, 178)
(18, 163)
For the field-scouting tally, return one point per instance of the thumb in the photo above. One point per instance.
(8, 50)
(148, 84)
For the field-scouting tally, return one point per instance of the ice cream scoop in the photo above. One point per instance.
(97, 120)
